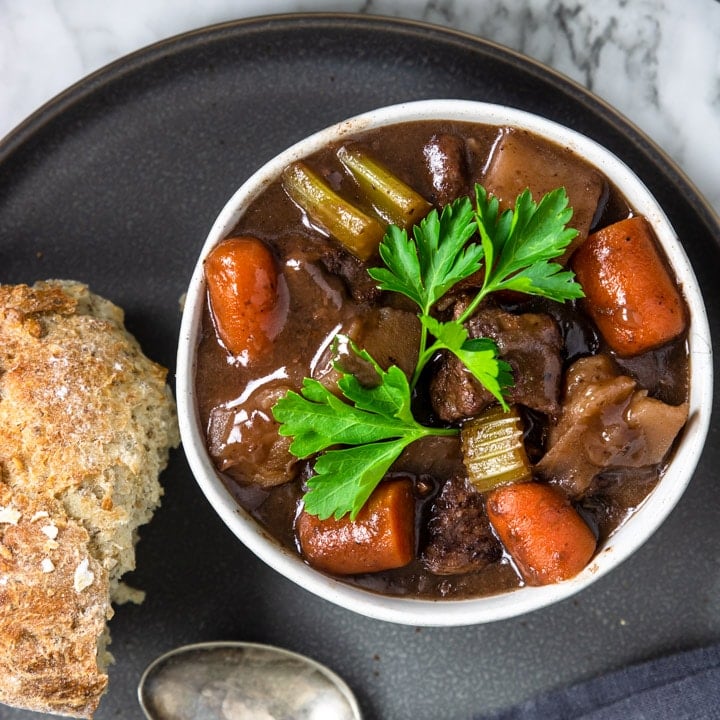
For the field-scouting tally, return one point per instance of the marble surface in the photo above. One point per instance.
(656, 61)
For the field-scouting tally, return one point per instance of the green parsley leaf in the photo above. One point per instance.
(345, 478)
(317, 420)
(391, 397)
(549, 280)
(437, 257)
(479, 355)
(520, 243)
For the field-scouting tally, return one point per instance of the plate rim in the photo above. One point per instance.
(133, 61)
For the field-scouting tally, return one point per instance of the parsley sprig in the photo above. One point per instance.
(360, 437)
(377, 427)
(520, 244)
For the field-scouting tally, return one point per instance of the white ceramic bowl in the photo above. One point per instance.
(620, 545)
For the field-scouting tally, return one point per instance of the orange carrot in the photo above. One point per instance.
(242, 282)
(542, 532)
(629, 290)
(381, 537)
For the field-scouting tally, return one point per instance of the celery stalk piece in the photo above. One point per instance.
(493, 449)
(358, 232)
(393, 200)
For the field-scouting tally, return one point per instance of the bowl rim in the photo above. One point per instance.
(626, 540)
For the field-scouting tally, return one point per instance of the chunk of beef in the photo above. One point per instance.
(436, 455)
(446, 162)
(390, 335)
(459, 536)
(530, 342)
(243, 440)
(606, 422)
(353, 271)
(518, 161)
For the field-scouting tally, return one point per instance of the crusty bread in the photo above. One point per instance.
(86, 423)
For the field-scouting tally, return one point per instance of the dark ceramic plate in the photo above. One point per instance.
(116, 183)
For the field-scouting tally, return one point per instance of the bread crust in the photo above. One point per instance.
(86, 423)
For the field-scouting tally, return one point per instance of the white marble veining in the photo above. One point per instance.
(656, 61)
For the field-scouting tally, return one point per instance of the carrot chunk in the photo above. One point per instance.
(629, 291)
(242, 282)
(381, 537)
(542, 532)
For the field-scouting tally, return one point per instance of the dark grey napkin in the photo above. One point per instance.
(683, 686)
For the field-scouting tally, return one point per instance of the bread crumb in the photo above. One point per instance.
(50, 530)
(39, 515)
(9, 515)
(83, 576)
(124, 594)
(47, 565)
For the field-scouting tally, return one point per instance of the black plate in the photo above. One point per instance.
(116, 183)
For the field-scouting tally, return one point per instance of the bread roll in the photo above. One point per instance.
(86, 424)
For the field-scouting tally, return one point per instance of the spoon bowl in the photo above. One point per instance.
(230, 680)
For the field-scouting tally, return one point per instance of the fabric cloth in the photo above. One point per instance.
(684, 686)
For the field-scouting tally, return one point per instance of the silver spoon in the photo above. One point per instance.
(239, 681)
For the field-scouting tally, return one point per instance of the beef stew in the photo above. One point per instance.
(601, 464)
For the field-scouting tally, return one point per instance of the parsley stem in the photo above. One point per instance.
(470, 309)
(426, 353)
(423, 356)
